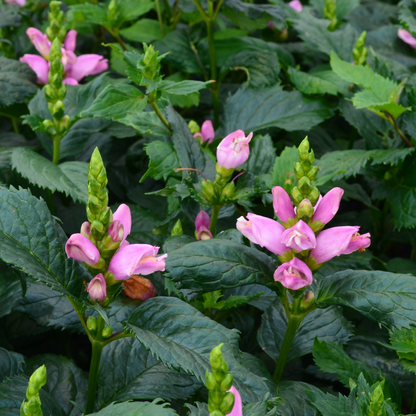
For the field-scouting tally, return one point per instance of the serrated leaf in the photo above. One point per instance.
(182, 87)
(17, 80)
(146, 122)
(130, 9)
(295, 401)
(383, 297)
(255, 109)
(65, 381)
(311, 84)
(218, 264)
(144, 30)
(32, 241)
(11, 364)
(407, 19)
(129, 372)
(136, 409)
(326, 324)
(69, 177)
(262, 155)
(92, 13)
(9, 16)
(116, 101)
(284, 166)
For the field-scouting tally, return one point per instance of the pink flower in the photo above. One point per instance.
(40, 41)
(202, 223)
(296, 5)
(20, 3)
(123, 214)
(80, 248)
(86, 229)
(264, 232)
(299, 237)
(86, 65)
(407, 37)
(338, 240)
(282, 204)
(136, 259)
(328, 206)
(38, 65)
(233, 150)
(238, 404)
(293, 275)
(70, 40)
(116, 231)
(207, 132)
(97, 288)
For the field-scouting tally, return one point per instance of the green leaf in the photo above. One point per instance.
(401, 265)
(311, 84)
(17, 80)
(116, 101)
(136, 409)
(131, 9)
(384, 297)
(92, 13)
(326, 324)
(145, 122)
(262, 155)
(144, 30)
(330, 405)
(143, 223)
(69, 177)
(254, 109)
(407, 19)
(182, 87)
(182, 338)
(343, 7)
(11, 364)
(65, 382)
(188, 150)
(284, 165)
(345, 163)
(129, 372)
(32, 241)
(9, 16)
(163, 160)
(182, 101)
(218, 264)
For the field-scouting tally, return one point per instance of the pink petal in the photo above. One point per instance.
(238, 404)
(299, 237)
(294, 275)
(202, 220)
(39, 40)
(296, 5)
(123, 214)
(282, 204)
(97, 288)
(39, 65)
(116, 231)
(407, 37)
(358, 242)
(207, 131)
(332, 242)
(78, 247)
(233, 150)
(328, 206)
(70, 81)
(86, 65)
(70, 40)
(20, 3)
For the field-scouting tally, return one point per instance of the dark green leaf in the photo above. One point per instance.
(384, 297)
(143, 223)
(284, 165)
(92, 13)
(146, 122)
(218, 264)
(9, 16)
(262, 155)
(11, 364)
(136, 409)
(182, 87)
(251, 110)
(311, 84)
(144, 30)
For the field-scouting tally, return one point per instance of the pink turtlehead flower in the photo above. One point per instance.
(293, 275)
(238, 404)
(97, 288)
(116, 231)
(75, 67)
(296, 5)
(86, 229)
(123, 214)
(78, 247)
(407, 37)
(282, 204)
(264, 232)
(327, 206)
(207, 132)
(20, 3)
(202, 223)
(233, 150)
(299, 237)
(338, 240)
(136, 259)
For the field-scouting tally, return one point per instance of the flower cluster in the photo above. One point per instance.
(297, 239)
(75, 67)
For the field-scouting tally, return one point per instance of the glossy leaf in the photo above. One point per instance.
(283, 168)
(11, 364)
(311, 84)
(136, 409)
(262, 155)
(144, 30)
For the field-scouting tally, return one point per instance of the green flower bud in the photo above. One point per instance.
(92, 325)
(227, 403)
(377, 403)
(313, 171)
(177, 228)
(194, 127)
(216, 413)
(303, 149)
(58, 109)
(330, 14)
(359, 53)
(210, 381)
(107, 332)
(227, 192)
(308, 300)
(313, 195)
(215, 357)
(305, 185)
(33, 407)
(106, 216)
(223, 174)
(288, 186)
(299, 171)
(227, 382)
(305, 209)
(297, 196)
(36, 381)
(208, 191)
(49, 126)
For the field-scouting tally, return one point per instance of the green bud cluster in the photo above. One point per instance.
(330, 13)
(305, 173)
(33, 406)
(359, 53)
(220, 401)
(377, 406)
(56, 17)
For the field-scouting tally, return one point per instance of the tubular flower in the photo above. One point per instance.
(296, 5)
(20, 3)
(75, 67)
(293, 275)
(407, 37)
(97, 288)
(136, 259)
(78, 247)
(338, 240)
(123, 214)
(207, 132)
(327, 206)
(282, 204)
(299, 237)
(116, 231)
(233, 150)
(202, 223)
(238, 404)
(264, 232)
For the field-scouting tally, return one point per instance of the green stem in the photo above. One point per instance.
(160, 115)
(15, 126)
(393, 121)
(214, 218)
(414, 398)
(56, 149)
(117, 37)
(97, 349)
(200, 9)
(159, 17)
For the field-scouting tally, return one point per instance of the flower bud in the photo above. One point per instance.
(313, 172)
(227, 403)
(216, 413)
(293, 275)
(97, 288)
(116, 231)
(80, 248)
(297, 195)
(36, 381)
(299, 171)
(208, 191)
(92, 325)
(97, 230)
(305, 209)
(177, 228)
(210, 381)
(303, 149)
(139, 288)
(194, 127)
(227, 382)
(305, 185)
(215, 357)
(49, 126)
(58, 109)
(50, 92)
(86, 229)
(202, 223)
(308, 300)
(107, 332)
(313, 195)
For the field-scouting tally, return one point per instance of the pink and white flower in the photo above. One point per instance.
(293, 275)
(300, 237)
(233, 150)
(97, 288)
(282, 204)
(407, 37)
(20, 3)
(202, 223)
(207, 132)
(78, 247)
